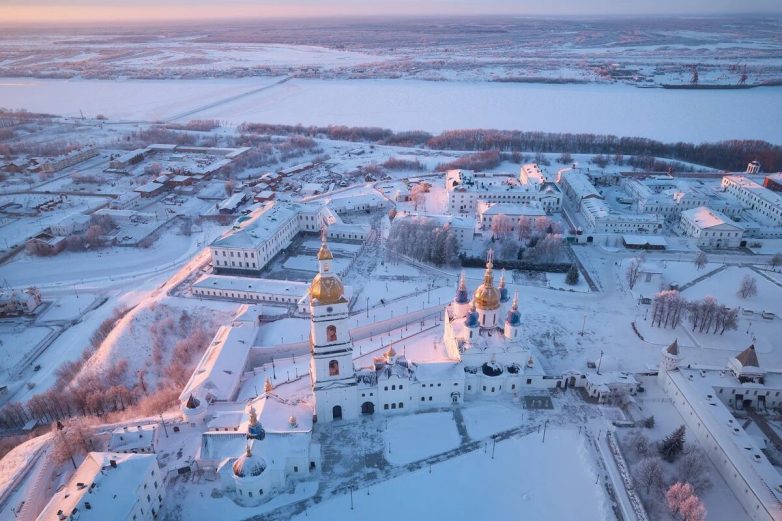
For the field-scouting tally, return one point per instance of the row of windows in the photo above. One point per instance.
(248, 296)
(394, 406)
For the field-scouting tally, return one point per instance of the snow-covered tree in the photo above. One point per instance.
(501, 226)
(684, 504)
(637, 442)
(673, 444)
(648, 475)
(775, 261)
(748, 287)
(667, 308)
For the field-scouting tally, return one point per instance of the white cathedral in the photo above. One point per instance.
(481, 335)
(272, 443)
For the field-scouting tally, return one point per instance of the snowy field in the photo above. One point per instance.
(725, 284)
(413, 104)
(518, 484)
(415, 437)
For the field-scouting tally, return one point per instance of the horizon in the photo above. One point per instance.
(123, 12)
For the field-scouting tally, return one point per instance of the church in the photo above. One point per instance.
(267, 443)
(482, 337)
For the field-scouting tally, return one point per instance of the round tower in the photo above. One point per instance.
(504, 294)
(671, 358)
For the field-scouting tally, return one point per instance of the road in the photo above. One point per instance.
(223, 101)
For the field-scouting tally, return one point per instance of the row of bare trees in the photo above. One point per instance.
(706, 315)
(117, 389)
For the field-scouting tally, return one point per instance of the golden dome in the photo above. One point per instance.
(326, 289)
(486, 296)
(324, 253)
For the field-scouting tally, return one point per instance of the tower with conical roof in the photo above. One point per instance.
(513, 319)
(331, 364)
(487, 297)
(670, 357)
(461, 300)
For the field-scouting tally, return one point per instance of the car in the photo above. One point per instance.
(37, 368)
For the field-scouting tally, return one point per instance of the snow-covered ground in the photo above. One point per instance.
(414, 437)
(521, 482)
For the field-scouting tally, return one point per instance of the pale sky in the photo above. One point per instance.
(32, 11)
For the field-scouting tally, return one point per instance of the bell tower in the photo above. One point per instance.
(332, 372)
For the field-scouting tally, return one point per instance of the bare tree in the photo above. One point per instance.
(667, 308)
(638, 443)
(701, 260)
(229, 186)
(648, 474)
(775, 261)
(633, 270)
(418, 195)
(501, 226)
(748, 288)
(692, 469)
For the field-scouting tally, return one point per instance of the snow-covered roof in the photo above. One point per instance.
(438, 371)
(267, 286)
(149, 187)
(220, 369)
(109, 489)
(705, 218)
(128, 438)
(263, 224)
(275, 413)
(530, 209)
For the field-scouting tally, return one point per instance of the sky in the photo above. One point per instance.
(90, 11)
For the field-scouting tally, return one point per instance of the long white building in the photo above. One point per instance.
(252, 244)
(705, 396)
(760, 202)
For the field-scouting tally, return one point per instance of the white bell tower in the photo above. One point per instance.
(331, 364)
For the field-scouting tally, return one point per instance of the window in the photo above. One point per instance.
(401, 405)
(393, 406)
(400, 387)
(423, 399)
(529, 381)
(333, 368)
(331, 333)
(295, 468)
(385, 406)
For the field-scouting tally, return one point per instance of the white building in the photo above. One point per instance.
(487, 212)
(712, 229)
(279, 292)
(253, 243)
(107, 485)
(465, 189)
(705, 396)
(761, 202)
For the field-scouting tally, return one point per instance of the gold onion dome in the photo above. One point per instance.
(486, 296)
(326, 289)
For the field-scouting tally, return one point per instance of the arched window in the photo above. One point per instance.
(331, 333)
(333, 368)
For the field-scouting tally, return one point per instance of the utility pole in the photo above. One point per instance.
(164, 424)
(494, 444)
(583, 325)
(351, 497)
(545, 425)
(599, 362)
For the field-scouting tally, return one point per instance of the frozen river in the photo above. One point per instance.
(667, 115)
